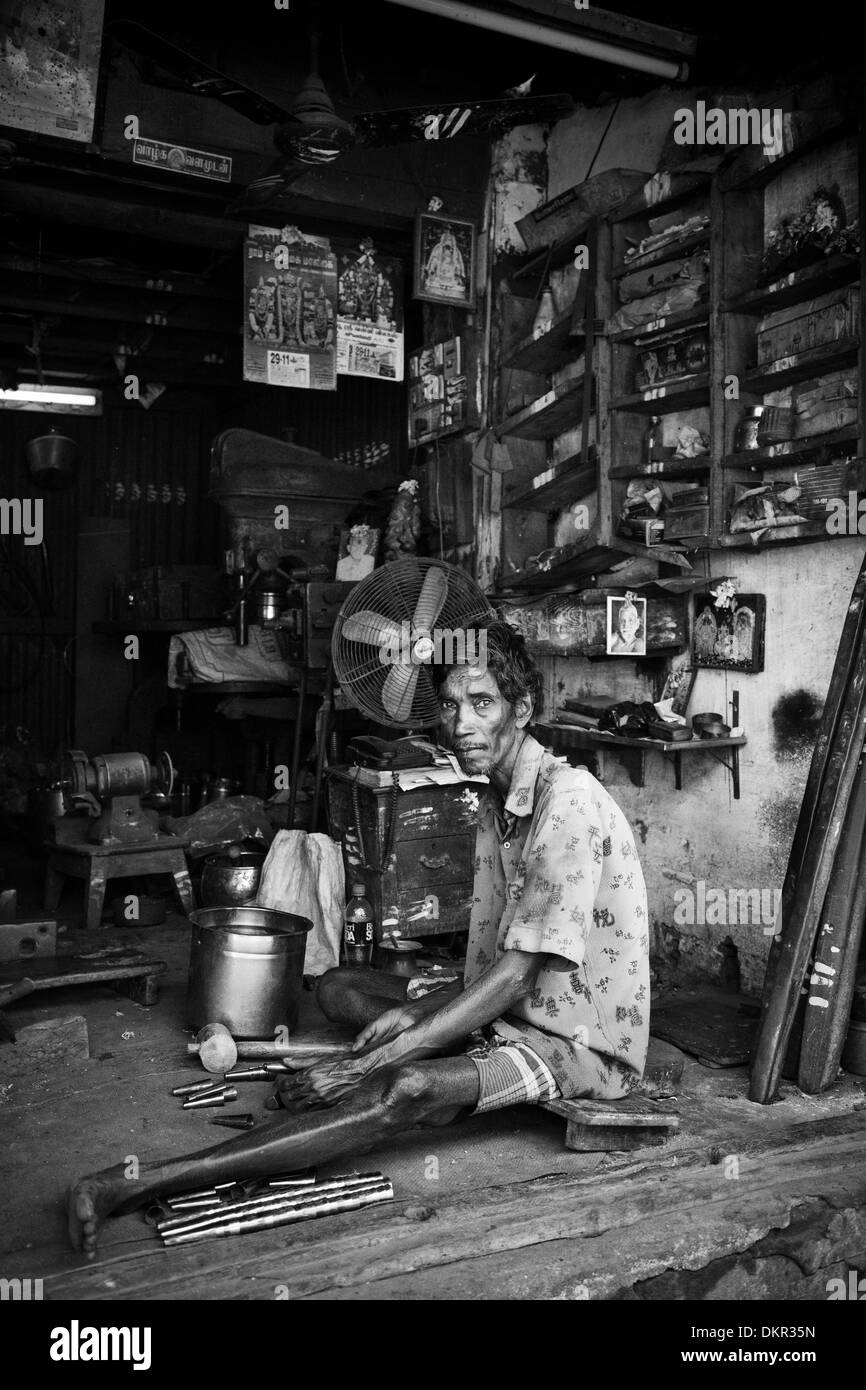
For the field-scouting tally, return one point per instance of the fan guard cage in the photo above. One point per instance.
(392, 592)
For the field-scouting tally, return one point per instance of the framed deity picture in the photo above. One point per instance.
(444, 267)
(729, 636)
(626, 625)
(358, 546)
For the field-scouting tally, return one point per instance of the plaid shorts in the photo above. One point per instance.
(510, 1074)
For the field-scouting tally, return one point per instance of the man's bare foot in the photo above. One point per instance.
(93, 1198)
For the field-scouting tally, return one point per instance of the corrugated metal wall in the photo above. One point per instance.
(152, 469)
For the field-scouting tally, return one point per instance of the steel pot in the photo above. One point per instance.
(246, 969)
(229, 880)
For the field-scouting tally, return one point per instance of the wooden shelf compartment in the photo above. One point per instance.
(551, 350)
(669, 323)
(801, 366)
(791, 450)
(661, 400)
(594, 558)
(559, 409)
(829, 274)
(673, 469)
(777, 535)
(558, 485)
(671, 251)
(675, 189)
(752, 169)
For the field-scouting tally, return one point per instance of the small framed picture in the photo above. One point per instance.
(444, 270)
(358, 546)
(729, 634)
(678, 687)
(626, 625)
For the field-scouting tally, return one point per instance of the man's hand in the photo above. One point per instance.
(324, 1084)
(388, 1025)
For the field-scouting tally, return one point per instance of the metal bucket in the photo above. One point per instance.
(246, 969)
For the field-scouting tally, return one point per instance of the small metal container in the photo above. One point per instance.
(398, 957)
(746, 434)
(221, 788)
(229, 880)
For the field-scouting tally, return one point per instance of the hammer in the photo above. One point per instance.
(219, 1052)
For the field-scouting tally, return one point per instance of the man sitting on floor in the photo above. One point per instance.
(555, 998)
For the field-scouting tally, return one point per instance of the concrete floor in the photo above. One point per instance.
(493, 1205)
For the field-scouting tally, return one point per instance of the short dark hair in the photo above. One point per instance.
(516, 673)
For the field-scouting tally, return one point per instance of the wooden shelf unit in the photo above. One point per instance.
(738, 199)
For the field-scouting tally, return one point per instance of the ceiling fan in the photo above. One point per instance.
(310, 133)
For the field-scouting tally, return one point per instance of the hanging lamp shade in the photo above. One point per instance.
(52, 459)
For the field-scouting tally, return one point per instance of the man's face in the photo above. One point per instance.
(477, 723)
(628, 623)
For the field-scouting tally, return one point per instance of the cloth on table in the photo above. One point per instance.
(304, 874)
(211, 656)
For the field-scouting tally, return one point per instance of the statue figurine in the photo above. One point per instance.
(404, 523)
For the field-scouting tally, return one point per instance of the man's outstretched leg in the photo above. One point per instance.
(384, 1103)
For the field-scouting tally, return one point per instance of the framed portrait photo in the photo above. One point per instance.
(444, 265)
(626, 625)
(358, 546)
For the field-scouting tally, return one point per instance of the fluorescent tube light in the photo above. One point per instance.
(60, 399)
(534, 32)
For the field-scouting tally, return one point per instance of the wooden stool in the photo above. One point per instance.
(614, 1125)
(96, 864)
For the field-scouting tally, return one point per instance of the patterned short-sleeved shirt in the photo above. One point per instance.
(556, 871)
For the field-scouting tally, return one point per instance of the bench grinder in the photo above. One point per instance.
(110, 786)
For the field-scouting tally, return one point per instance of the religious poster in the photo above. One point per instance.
(444, 260)
(290, 314)
(369, 312)
(49, 66)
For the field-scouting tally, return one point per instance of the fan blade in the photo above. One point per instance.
(431, 599)
(398, 692)
(197, 76)
(446, 122)
(270, 186)
(372, 628)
